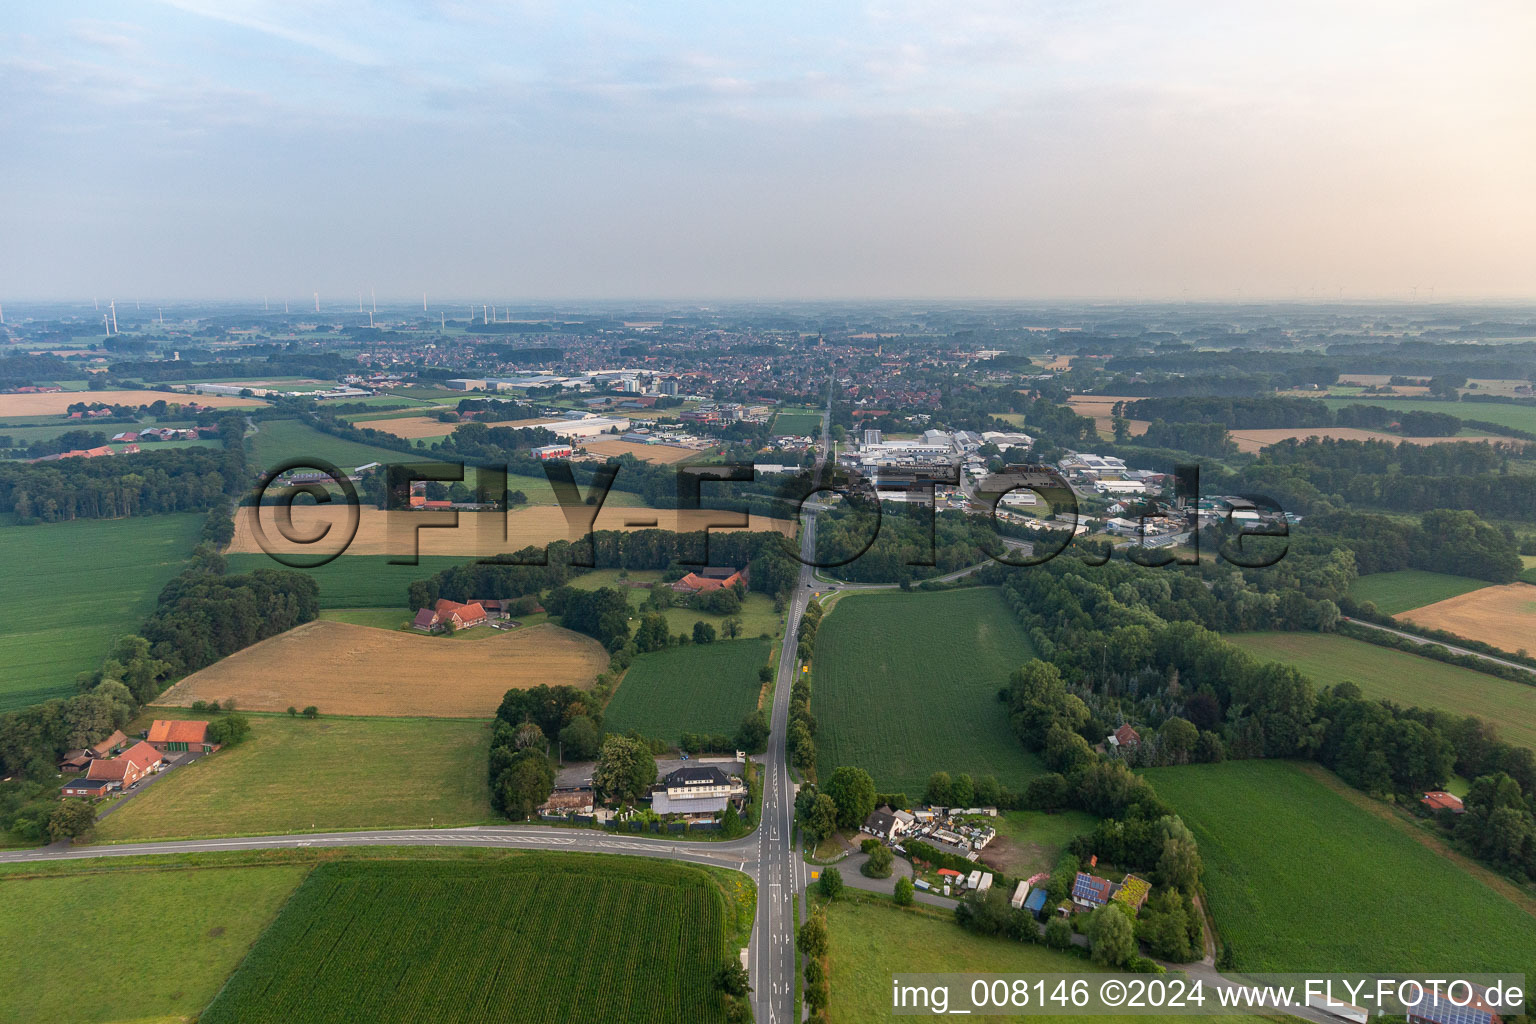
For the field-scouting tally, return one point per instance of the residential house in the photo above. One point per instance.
(885, 823)
(1091, 890)
(126, 768)
(1437, 800)
(449, 615)
(709, 580)
(176, 736)
(77, 760)
(696, 790)
(90, 789)
(1124, 737)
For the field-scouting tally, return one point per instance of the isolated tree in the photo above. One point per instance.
(752, 734)
(1111, 939)
(831, 882)
(904, 891)
(853, 791)
(72, 819)
(703, 632)
(311, 712)
(732, 628)
(624, 771)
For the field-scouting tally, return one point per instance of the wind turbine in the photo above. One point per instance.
(114, 316)
(373, 300)
(317, 302)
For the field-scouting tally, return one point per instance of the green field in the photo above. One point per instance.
(188, 930)
(1520, 417)
(799, 422)
(542, 937)
(326, 774)
(757, 615)
(706, 688)
(1403, 678)
(108, 571)
(905, 685)
(358, 581)
(871, 940)
(279, 440)
(1406, 589)
(1299, 879)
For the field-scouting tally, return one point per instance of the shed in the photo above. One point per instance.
(1036, 901)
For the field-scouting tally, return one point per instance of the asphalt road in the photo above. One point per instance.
(1426, 641)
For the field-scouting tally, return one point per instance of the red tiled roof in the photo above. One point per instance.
(1126, 735)
(178, 731)
(141, 755)
(467, 613)
(1438, 799)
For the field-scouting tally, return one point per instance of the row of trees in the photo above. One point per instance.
(1119, 644)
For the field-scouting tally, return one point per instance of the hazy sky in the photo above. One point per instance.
(228, 148)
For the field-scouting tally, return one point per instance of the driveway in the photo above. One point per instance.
(145, 783)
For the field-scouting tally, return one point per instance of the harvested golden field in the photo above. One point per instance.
(477, 535)
(661, 454)
(411, 427)
(1101, 408)
(358, 670)
(58, 402)
(1253, 440)
(1503, 616)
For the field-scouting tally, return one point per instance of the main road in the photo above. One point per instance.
(768, 855)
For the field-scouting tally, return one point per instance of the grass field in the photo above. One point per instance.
(1403, 678)
(279, 440)
(345, 669)
(700, 688)
(191, 929)
(871, 940)
(358, 581)
(1520, 417)
(1504, 616)
(327, 775)
(112, 570)
(542, 937)
(906, 685)
(1030, 841)
(1299, 879)
(757, 615)
(798, 422)
(1395, 592)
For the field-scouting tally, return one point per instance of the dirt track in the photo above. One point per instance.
(358, 670)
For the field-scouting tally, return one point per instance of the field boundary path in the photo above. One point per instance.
(1424, 640)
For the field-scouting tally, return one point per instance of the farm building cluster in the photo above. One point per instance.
(113, 766)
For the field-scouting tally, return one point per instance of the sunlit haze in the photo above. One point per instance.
(232, 149)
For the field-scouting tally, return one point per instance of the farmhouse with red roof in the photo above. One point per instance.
(176, 736)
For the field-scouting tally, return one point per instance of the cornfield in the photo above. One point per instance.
(556, 938)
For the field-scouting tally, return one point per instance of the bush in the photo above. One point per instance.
(1058, 933)
(879, 863)
(311, 712)
(904, 891)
